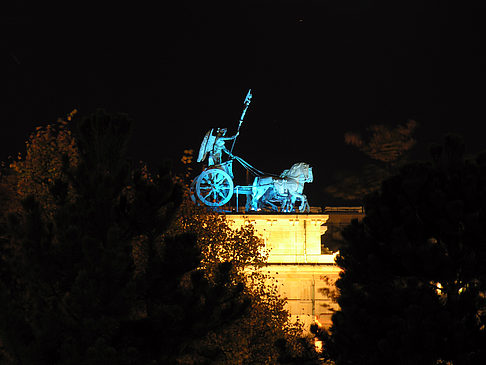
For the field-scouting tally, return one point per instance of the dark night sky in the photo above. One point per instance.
(317, 69)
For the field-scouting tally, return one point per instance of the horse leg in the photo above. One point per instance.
(258, 192)
(248, 202)
(288, 201)
(302, 198)
(255, 198)
(255, 195)
(304, 206)
(285, 204)
(307, 206)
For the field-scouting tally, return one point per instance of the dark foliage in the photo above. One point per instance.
(386, 150)
(96, 283)
(413, 285)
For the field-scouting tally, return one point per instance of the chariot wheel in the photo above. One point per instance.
(214, 187)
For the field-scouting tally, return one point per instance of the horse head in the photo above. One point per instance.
(298, 171)
(310, 176)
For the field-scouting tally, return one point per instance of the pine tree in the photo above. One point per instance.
(412, 289)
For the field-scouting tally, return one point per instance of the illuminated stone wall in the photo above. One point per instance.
(291, 238)
(295, 261)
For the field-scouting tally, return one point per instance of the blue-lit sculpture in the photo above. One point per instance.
(214, 187)
(214, 145)
(281, 193)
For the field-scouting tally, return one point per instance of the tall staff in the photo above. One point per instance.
(246, 103)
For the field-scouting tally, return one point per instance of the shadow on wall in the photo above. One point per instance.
(339, 218)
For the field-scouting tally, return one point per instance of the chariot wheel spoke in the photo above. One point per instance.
(221, 195)
(208, 194)
(214, 187)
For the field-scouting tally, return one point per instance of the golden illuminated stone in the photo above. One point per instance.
(303, 274)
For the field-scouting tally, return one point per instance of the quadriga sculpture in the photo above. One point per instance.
(214, 187)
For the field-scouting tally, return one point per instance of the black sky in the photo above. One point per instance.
(317, 69)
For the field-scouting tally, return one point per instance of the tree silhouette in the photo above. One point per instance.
(114, 269)
(74, 288)
(386, 148)
(47, 149)
(412, 289)
(386, 145)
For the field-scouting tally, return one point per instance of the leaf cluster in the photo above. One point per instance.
(385, 144)
(48, 149)
(386, 149)
(264, 334)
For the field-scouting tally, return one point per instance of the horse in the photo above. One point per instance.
(285, 189)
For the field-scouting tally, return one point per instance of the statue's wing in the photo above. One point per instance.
(206, 146)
